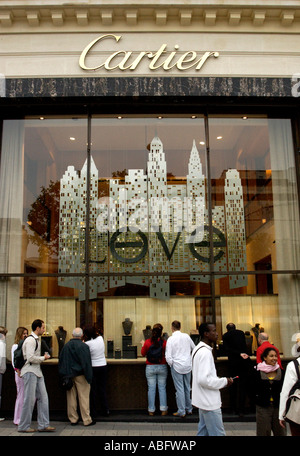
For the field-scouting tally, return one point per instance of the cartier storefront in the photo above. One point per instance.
(149, 171)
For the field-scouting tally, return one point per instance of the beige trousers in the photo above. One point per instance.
(80, 389)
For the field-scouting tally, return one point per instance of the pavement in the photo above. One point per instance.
(140, 437)
(111, 428)
(128, 429)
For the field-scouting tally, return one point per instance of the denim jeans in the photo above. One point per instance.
(182, 383)
(210, 423)
(34, 390)
(157, 374)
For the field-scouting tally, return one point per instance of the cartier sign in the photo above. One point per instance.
(130, 60)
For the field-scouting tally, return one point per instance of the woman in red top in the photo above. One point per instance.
(156, 369)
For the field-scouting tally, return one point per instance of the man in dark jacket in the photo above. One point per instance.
(239, 364)
(75, 362)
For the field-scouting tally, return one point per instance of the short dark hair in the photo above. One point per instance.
(90, 332)
(36, 324)
(204, 327)
(230, 326)
(266, 352)
(176, 324)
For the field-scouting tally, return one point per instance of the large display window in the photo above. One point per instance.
(149, 219)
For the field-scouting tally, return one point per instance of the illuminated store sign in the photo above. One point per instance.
(148, 225)
(162, 58)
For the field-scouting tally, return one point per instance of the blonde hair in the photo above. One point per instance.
(19, 333)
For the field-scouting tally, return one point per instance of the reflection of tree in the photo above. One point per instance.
(43, 218)
(122, 173)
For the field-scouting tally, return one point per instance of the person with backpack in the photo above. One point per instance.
(21, 334)
(290, 381)
(34, 384)
(156, 369)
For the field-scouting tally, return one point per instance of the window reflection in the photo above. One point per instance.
(255, 219)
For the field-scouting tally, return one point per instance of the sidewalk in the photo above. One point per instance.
(121, 429)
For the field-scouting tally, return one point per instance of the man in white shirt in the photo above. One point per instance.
(178, 356)
(34, 384)
(206, 384)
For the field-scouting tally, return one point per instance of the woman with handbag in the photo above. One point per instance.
(268, 382)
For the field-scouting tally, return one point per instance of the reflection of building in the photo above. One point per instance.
(150, 224)
(236, 238)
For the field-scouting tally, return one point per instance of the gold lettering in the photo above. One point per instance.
(89, 47)
(134, 64)
(112, 56)
(155, 56)
(204, 58)
(137, 60)
(183, 60)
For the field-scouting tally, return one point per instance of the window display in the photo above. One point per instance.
(131, 224)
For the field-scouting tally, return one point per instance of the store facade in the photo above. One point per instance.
(150, 169)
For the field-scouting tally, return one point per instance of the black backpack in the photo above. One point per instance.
(291, 414)
(19, 360)
(155, 353)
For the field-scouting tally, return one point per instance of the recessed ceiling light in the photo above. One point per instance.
(202, 143)
(159, 117)
(219, 137)
(120, 117)
(72, 138)
(244, 117)
(42, 118)
(194, 117)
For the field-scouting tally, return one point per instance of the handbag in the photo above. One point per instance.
(292, 410)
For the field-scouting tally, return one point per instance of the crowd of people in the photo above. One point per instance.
(82, 369)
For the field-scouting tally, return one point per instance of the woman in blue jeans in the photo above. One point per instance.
(156, 369)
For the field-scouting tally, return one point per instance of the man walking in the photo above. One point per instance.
(206, 384)
(75, 362)
(34, 384)
(178, 356)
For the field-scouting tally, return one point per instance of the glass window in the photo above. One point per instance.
(165, 237)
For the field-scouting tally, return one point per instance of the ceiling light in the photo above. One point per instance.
(72, 138)
(219, 137)
(202, 143)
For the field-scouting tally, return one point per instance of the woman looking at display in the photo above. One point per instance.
(21, 334)
(268, 383)
(98, 387)
(156, 369)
